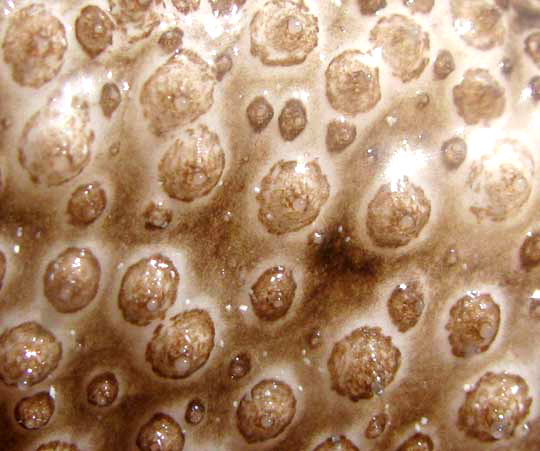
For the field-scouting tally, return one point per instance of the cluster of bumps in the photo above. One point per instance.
(59, 143)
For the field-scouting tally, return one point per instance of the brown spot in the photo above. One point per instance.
(479, 97)
(454, 152)
(195, 412)
(94, 30)
(259, 113)
(292, 119)
(376, 426)
(495, 407)
(444, 64)
(473, 325)
(339, 135)
(102, 390)
(34, 412)
(171, 40)
(363, 363)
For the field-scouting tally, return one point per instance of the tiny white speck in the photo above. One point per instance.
(257, 189)
(187, 301)
(19, 232)
(235, 404)
(228, 307)
(52, 392)
(300, 388)
(307, 361)
(72, 332)
(424, 421)
(391, 120)
(16, 248)
(221, 344)
(243, 308)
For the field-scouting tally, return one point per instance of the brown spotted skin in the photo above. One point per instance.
(383, 86)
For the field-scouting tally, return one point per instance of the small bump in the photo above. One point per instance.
(58, 446)
(314, 338)
(29, 353)
(529, 251)
(339, 135)
(406, 305)
(418, 442)
(405, 46)
(532, 47)
(186, 6)
(223, 66)
(376, 426)
(193, 165)
(444, 65)
(292, 195)
(34, 46)
(266, 411)
(363, 363)
(292, 119)
(102, 390)
(352, 86)
(71, 280)
(419, 6)
(336, 443)
(479, 23)
(371, 6)
(500, 181)
(454, 152)
(240, 366)
(94, 30)
(422, 100)
(273, 293)
(86, 204)
(157, 216)
(195, 412)
(473, 325)
(495, 407)
(34, 412)
(170, 41)
(178, 92)
(55, 143)
(110, 99)
(479, 97)
(506, 65)
(181, 347)
(534, 87)
(161, 433)
(259, 113)
(397, 213)
(148, 289)
(283, 33)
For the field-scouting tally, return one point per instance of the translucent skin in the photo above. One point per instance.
(178, 92)
(181, 347)
(363, 363)
(161, 433)
(283, 33)
(148, 289)
(291, 196)
(71, 280)
(266, 411)
(495, 407)
(34, 46)
(28, 354)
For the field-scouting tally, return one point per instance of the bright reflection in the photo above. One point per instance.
(405, 162)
